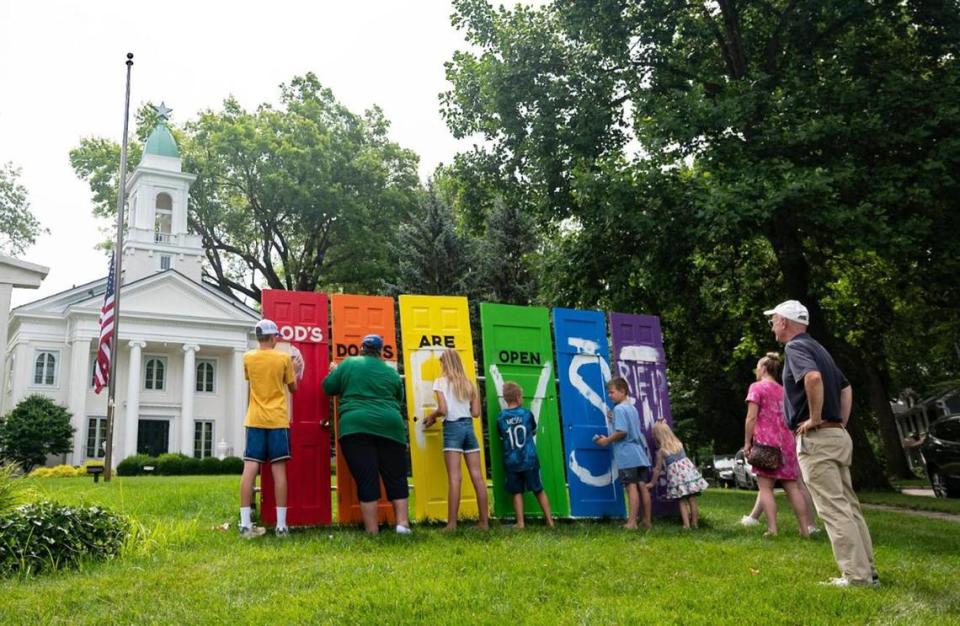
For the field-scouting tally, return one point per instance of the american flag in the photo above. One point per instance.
(101, 371)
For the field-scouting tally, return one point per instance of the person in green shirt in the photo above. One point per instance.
(372, 434)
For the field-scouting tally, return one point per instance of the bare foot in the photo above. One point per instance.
(519, 526)
(551, 523)
(647, 525)
(484, 525)
(449, 528)
(630, 526)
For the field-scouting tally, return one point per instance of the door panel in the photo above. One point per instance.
(353, 318)
(153, 437)
(428, 324)
(517, 346)
(302, 319)
(639, 358)
(583, 371)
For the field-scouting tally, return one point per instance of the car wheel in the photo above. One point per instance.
(937, 482)
(952, 487)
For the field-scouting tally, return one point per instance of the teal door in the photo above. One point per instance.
(517, 347)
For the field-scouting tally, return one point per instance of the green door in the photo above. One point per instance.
(517, 346)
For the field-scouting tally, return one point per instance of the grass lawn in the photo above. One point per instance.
(586, 572)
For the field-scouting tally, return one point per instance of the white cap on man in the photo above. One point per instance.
(791, 310)
(266, 327)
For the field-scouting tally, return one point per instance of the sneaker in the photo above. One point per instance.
(282, 533)
(252, 532)
(812, 530)
(845, 582)
(746, 520)
(403, 530)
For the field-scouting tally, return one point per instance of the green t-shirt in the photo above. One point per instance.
(371, 395)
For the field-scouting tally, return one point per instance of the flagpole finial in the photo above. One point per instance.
(129, 58)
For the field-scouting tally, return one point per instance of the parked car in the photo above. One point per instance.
(723, 470)
(941, 456)
(743, 476)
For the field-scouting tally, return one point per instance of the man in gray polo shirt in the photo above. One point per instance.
(817, 401)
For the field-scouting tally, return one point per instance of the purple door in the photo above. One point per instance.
(638, 357)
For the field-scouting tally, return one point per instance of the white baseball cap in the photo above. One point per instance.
(267, 327)
(791, 310)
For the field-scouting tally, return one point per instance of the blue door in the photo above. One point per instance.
(639, 358)
(583, 369)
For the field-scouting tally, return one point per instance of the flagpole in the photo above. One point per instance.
(117, 278)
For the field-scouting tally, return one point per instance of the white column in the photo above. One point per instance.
(5, 292)
(131, 420)
(186, 402)
(80, 381)
(233, 432)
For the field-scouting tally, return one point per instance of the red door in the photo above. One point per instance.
(302, 319)
(354, 317)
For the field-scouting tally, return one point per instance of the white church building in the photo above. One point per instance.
(180, 382)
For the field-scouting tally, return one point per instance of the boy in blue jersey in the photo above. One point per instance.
(629, 450)
(517, 427)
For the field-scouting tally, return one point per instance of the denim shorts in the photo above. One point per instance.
(525, 480)
(458, 436)
(632, 475)
(267, 444)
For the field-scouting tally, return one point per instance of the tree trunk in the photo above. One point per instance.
(880, 404)
(866, 470)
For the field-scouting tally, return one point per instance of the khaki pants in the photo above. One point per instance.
(825, 456)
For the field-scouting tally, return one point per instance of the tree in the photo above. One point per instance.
(300, 196)
(812, 135)
(507, 247)
(434, 259)
(36, 427)
(19, 227)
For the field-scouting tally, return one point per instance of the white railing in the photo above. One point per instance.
(163, 238)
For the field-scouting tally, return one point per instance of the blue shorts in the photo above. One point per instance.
(265, 445)
(525, 480)
(458, 436)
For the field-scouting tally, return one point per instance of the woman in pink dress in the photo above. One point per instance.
(765, 425)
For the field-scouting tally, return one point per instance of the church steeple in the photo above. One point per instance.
(158, 237)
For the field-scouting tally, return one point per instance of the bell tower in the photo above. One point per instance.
(158, 237)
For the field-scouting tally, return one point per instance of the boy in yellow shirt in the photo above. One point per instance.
(267, 424)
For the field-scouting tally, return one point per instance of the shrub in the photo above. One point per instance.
(58, 471)
(211, 465)
(232, 465)
(191, 466)
(47, 536)
(36, 427)
(170, 464)
(133, 464)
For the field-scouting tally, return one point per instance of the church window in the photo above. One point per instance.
(155, 374)
(45, 368)
(202, 439)
(96, 437)
(206, 375)
(164, 218)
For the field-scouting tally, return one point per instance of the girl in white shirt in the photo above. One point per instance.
(458, 401)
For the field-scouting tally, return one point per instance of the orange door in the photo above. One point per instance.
(354, 317)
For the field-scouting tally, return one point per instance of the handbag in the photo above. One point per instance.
(765, 457)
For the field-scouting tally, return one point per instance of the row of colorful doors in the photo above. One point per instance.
(579, 477)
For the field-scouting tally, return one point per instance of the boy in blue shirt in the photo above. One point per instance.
(517, 427)
(629, 450)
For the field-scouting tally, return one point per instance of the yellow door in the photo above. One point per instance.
(428, 325)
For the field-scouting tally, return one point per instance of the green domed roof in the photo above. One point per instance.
(161, 142)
